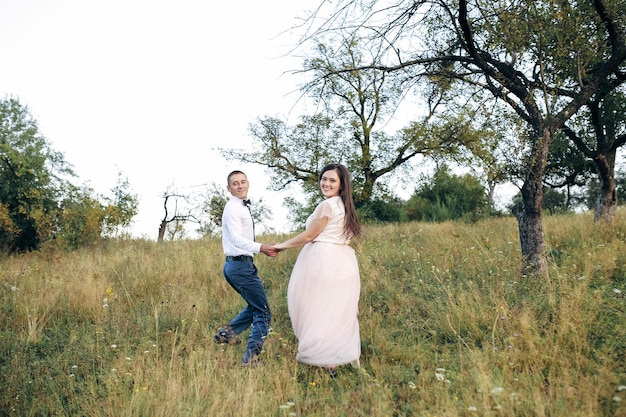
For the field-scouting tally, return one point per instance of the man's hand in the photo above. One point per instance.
(269, 250)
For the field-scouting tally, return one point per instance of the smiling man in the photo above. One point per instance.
(241, 273)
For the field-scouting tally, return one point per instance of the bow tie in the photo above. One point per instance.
(247, 203)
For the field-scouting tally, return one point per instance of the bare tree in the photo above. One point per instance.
(177, 215)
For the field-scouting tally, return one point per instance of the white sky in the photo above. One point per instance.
(150, 87)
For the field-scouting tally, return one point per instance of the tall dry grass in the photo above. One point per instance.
(449, 327)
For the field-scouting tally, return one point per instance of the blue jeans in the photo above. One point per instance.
(243, 277)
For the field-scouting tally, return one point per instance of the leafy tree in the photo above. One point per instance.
(353, 105)
(38, 202)
(215, 200)
(383, 209)
(598, 133)
(31, 183)
(447, 196)
(568, 169)
(620, 185)
(543, 58)
(121, 208)
(554, 201)
(80, 217)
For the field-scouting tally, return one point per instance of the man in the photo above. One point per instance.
(241, 273)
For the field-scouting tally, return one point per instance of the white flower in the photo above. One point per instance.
(617, 291)
(440, 377)
(472, 408)
(497, 390)
(621, 388)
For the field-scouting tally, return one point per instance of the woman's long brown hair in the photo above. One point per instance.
(351, 227)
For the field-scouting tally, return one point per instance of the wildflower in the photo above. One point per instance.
(497, 390)
(440, 377)
(114, 346)
(412, 385)
(621, 388)
(617, 291)
(472, 408)
(617, 399)
(313, 384)
(74, 366)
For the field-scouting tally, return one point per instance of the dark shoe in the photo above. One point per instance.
(331, 372)
(226, 335)
(253, 363)
(250, 360)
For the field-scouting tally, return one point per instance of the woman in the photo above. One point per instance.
(324, 288)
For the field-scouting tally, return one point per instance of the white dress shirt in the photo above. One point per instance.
(238, 229)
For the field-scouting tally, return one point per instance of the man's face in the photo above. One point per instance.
(238, 186)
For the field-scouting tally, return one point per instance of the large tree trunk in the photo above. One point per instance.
(529, 217)
(606, 199)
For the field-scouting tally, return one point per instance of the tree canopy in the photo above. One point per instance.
(545, 59)
(348, 127)
(38, 201)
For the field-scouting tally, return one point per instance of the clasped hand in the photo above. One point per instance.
(270, 249)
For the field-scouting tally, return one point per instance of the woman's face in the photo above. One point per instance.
(330, 184)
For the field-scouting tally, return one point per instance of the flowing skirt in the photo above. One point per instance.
(323, 301)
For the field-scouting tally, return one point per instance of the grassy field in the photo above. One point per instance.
(449, 327)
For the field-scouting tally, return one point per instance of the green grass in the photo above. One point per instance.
(449, 327)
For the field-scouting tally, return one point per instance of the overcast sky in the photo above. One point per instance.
(149, 88)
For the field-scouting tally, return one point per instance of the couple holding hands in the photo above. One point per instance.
(324, 287)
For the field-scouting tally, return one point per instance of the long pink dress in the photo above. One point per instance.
(323, 294)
